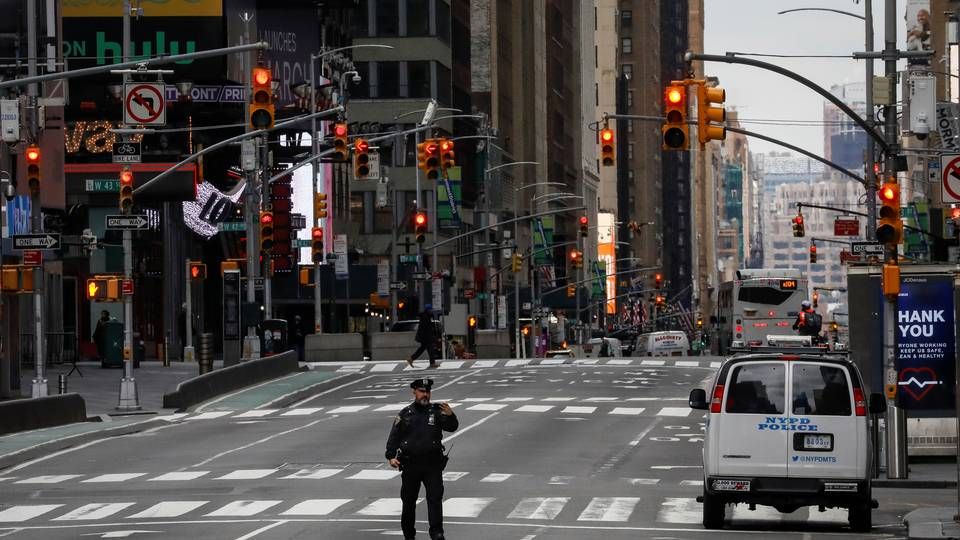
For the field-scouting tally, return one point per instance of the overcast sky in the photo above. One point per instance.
(754, 26)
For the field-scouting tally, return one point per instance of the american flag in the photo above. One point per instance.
(643, 312)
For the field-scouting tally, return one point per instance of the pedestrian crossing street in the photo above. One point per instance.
(386, 366)
(683, 511)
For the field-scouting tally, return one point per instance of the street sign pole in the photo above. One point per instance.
(188, 351)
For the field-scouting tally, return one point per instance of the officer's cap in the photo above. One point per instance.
(422, 384)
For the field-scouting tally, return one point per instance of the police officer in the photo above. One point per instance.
(414, 447)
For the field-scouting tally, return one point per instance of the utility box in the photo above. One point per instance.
(274, 337)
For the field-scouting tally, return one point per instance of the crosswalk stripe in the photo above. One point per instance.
(256, 413)
(89, 512)
(247, 474)
(619, 362)
(687, 363)
(375, 474)
(586, 362)
(179, 476)
(643, 481)
(384, 367)
(578, 410)
(485, 363)
(609, 509)
(486, 407)
(311, 474)
(242, 508)
(828, 514)
(16, 514)
(453, 476)
(383, 507)
(315, 507)
(552, 361)
(714, 364)
(539, 508)
(628, 411)
(691, 483)
(210, 415)
(391, 408)
(451, 364)
(106, 478)
(515, 399)
(674, 411)
(560, 399)
(591, 399)
(519, 362)
(465, 507)
(534, 408)
(348, 409)
(680, 510)
(496, 477)
(476, 399)
(48, 479)
(302, 411)
(168, 509)
(652, 362)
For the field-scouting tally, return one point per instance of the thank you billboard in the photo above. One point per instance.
(925, 343)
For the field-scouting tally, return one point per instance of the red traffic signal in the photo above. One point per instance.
(674, 95)
(261, 76)
(420, 227)
(584, 222)
(33, 154)
(361, 145)
(33, 169)
(955, 213)
(658, 280)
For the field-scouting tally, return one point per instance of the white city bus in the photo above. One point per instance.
(758, 304)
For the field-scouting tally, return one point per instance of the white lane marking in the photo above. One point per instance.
(374, 474)
(471, 426)
(559, 399)
(179, 476)
(691, 483)
(628, 411)
(263, 440)
(496, 477)
(94, 511)
(454, 381)
(680, 510)
(266, 528)
(334, 389)
(602, 399)
(230, 395)
(210, 415)
(687, 363)
(348, 409)
(514, 399)
(302, 411)
(486, 407)
(168, 509)
(619, 362)
(453, 476)
(118, 477)
(48, 479)
(552, 361)
(670, 467)
(742, 511)
(534, 408)
(16, 514)
(476, 399)
(539, 508)
(643, 481)
(311, 474)
(485, 363)
(674, 411)
(384, 367)
(172, 417)
(609, 509)
(5, 478)
(465, 507)
(307, 389)
(521, 362)
(383, 507)
(714, 364)
(652, 362)
(247, 474)
(315, 507)
(560, 480)
(451, 364)
(256, 413)
(242, 508)
(586, 362)
(578, 410)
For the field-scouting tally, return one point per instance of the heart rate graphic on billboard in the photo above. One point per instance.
(925, 343)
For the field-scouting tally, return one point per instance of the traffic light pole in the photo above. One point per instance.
(39, 384)
(188, 352)
(315, 171)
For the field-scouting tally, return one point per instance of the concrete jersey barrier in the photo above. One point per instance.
(333, 347)
(218, 382)
(393, 345)
(26, 414)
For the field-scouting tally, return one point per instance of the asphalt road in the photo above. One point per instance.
(567, 451)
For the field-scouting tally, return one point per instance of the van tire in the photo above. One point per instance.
(860, 517)
(714, 511)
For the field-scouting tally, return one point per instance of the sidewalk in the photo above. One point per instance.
(927, 474)
(100, 388)
(933, 522)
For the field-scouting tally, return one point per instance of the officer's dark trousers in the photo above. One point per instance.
(431, 476)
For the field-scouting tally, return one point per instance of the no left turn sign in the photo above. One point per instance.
(950, 178)
(143, 104)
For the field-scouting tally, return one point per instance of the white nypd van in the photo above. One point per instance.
(787, 430)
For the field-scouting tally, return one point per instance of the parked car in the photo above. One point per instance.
(787, 430)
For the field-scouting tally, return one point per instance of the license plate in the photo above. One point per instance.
(817, 442)
(731, 485)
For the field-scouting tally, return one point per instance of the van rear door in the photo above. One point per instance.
(828, 435)
(752, 431)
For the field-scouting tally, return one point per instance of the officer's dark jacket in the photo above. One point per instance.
(417, 431)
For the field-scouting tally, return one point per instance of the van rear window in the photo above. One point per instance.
(757, 389)
(821, 390)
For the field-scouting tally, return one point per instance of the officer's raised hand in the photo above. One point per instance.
(445, 409)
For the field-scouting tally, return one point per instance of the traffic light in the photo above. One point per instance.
(516, 264)
(576, 258)
(675, 131)
(660, 300)
(420, 226)
(340, 151)
(316, 244)
(266, 231)
(658, 281)
(33, 169)
(813, 253)
(608, 152)
(126, 190)
(471, 331)
(447, 155)
(319, 205)
(798, 229)
(584, 225)
(710, 112)
(361, 159)
(834, 326)
(816, 299)
(428, 158)
(16, 279)
(261, 103)
(198, 271)
(571, 291)
(889, 226)
(699, 323)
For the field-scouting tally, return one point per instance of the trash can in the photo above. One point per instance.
(274, 337)
(112, 344)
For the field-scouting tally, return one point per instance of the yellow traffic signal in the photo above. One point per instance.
(710, 112)
(889, 226)
(516, 264)
(361, 159)
(33, 169)
(340, 142)
(16, 279)
(319, 206)
(675, 131)
(608, 148)
(266, 231)
(126, 190)
(571, 291)
(447, 156)
(261, 102)
(316, 244)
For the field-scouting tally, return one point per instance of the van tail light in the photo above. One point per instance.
(716, 404)
(859, 403)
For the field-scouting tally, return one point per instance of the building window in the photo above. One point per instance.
(626, 20)
(418, 79)
(362, 90)
(388, 79)
(388, 17)
(443, 20)
(626, 45)
(627, 70)
(630, 151)
(418, 18)
(629, 99)
(444, 83)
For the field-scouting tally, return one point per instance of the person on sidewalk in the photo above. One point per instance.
(427, 338)
(99, 334)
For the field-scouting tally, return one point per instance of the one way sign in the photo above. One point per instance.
(36, 241)
(117, 221)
